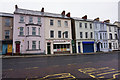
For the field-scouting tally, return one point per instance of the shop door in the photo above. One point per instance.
(110, 46)
(48, 48)
(4, 49)
(79, 47)
(17, 48)
(88, 48)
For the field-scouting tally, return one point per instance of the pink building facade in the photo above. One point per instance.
(28, 32)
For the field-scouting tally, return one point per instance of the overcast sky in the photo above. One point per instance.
(105, 9)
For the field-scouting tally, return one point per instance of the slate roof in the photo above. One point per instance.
(6, 14)
(39, 13)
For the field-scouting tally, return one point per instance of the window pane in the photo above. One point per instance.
(66, 23)
(7, 22)
(33, 44)
(21, 31)
(30, 19)
(33, 30)
(51, 22)
(59, 23)
(52, 34)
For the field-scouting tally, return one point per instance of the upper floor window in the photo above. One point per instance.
(105, 35)
(59, 23)
(90, 26)
(109, 29)
(51, 22)
(66, 34)
(91, 34)
(38, 31)
(80, 24)
(28, 30)
(39, 45)
(51, 34)
(30, 19)
(21, 31)
(97, 35)
(66, 23)
(100, 35)
(7, 22)
(86, 34)
(7, 34)
(116, 36)
(39, 20)
(59, 34)
(115, 29)
(85, 25)
(110, 36)
(33, 44)
(28, 45)
(33, 30)
(81, 35)
(21, 18)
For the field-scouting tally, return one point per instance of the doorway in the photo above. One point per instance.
(98, 47)
(17, 48)
(79, 51)
(48, 48)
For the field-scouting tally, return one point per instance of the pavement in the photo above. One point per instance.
(52, 55)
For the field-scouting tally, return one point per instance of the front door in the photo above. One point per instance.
(48, 48)
(79, 47)
(110, 46)
(17, 48)
(98, 47)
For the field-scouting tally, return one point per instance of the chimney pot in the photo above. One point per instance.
(16, 7)
(84, 17)
(63, 13)
(42, 10)
(68, 14)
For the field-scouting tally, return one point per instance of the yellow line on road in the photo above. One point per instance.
(114, 76)
(10, 69)
(35, 67)
(101, 71)
(107, 73)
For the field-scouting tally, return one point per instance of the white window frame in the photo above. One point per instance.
(33, 44)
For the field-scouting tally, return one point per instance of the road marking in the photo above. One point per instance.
(61, 75)
(69, 64)
(114, 76)
(100, 72)
(10, 69)
(35, 67)
(107, 73)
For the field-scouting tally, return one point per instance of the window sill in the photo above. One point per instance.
(33, 49)
(21, 22)
(33, 36)
(21, 35)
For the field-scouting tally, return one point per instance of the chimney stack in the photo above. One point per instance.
(84, 17)
(97, 19)
(42, 10)
(68, 14)
(63, 13)
(16, 7)
(107, 21)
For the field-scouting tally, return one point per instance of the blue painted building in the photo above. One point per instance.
(100, 33)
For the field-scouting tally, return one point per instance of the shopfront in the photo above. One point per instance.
(61, 46)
